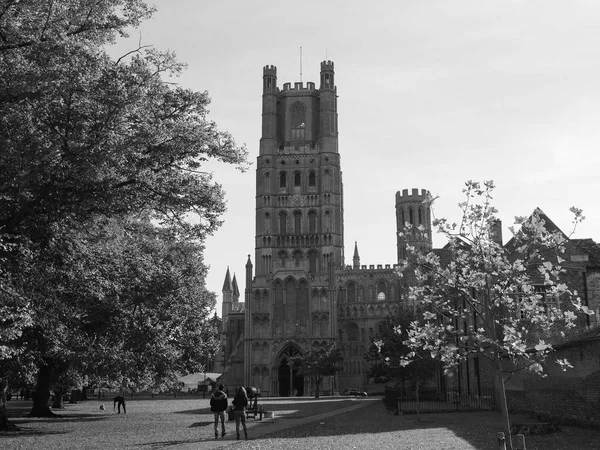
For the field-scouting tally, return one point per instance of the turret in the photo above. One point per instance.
(268, 141)
(227, 295)
(356, 258)
(328, 131)
(413, 211)
(235, 290)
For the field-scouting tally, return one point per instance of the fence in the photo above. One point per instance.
(435, 400)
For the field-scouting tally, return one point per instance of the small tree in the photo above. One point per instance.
(318, 363)
(387, 355)
(483, 299)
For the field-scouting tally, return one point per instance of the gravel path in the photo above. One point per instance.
(301, 423)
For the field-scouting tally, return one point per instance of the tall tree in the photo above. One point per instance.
(318, 363)
(483, 299)
(93, 146)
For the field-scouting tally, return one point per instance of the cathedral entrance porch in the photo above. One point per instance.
(290, 382)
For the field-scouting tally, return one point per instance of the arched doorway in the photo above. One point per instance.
(290, 382)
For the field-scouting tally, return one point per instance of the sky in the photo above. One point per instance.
(430, 94)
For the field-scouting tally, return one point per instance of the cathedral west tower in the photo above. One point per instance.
(299, 228)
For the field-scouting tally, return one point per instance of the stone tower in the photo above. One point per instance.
(413, 209)
(299, 229)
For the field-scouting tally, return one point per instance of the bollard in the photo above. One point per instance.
(520, 445)
(501, 441)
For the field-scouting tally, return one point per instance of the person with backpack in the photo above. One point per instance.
(218, 405)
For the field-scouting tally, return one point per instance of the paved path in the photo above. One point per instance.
(260, 428)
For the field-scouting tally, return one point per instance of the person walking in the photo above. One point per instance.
(218, 405)
(240, 402)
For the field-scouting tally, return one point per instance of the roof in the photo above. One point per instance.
(195, 378)
(227, 282)
(591, 248)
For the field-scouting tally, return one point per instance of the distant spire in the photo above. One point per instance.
(356, 258)
(227, 282)
(236, 291)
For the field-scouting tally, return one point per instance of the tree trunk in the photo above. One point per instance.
(42, 393)
(317, 387)
(418, 404)
(501, 400)
(5, 424)
(58, 400)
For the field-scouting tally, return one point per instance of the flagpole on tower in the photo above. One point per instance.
(301, 64)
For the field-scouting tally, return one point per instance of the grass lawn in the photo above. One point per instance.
(186, 423)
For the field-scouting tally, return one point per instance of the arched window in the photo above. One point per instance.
(297, 179)
(410, 215)
(297, 257)
(282, 222)
(297, 222)
(312, 179)
(282, 180)
(351, 292)
(312, 222)
(282, 257)
(327, 220)
(312, 261)
(420, 216)
(267, 222)
(298, 114)
(381, 289)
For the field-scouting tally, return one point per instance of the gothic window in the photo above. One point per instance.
(312, 222)
(312, 179)
(278, 307)
(267, 222)
(297, 222)
(303, 308)
(298, 114)
(282, 180)
(297, 257)
(282, 257)
(297, 179)
(327, 224)
(282, 222)
(312, 261)
(328, 184)
(291, 305)
(420, 216)
(410, 215)
(381, 289)
(351, 292)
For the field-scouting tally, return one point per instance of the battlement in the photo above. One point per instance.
(270, 71)
(373, 267)
(299, 85)
(327, 65)
(414, 195)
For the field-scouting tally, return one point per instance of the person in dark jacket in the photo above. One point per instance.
(240, 403)
(120, 401)
(218, 405)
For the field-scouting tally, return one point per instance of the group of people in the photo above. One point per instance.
(218, 405)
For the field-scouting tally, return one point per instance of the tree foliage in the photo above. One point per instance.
(318, 363)
(104, 202)
(388, 352)
(483, 299)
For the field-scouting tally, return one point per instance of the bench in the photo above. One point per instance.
(255, 410)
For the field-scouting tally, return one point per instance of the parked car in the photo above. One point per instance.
(355, 392)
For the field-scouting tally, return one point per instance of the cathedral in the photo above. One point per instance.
(299, 291)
